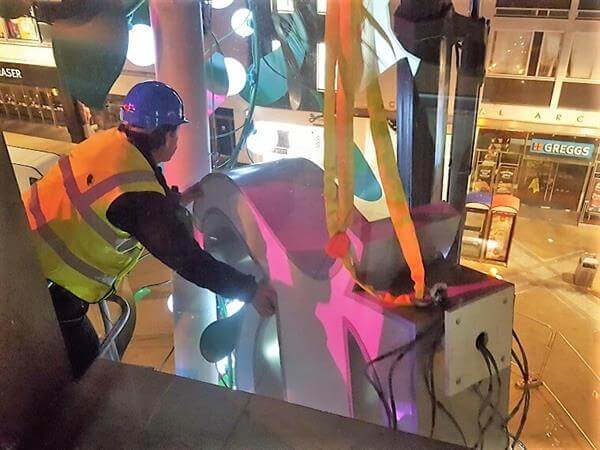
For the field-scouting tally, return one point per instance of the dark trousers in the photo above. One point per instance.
(78, 333)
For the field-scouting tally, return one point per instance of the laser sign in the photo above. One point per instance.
(566, 149)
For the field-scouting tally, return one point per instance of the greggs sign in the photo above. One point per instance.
(561, 148)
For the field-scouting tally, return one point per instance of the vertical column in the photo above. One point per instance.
(179, 41)
(34, 366)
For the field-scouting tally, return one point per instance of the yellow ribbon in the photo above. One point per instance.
(343, 32)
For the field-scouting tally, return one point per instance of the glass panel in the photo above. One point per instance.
(518, 92)
(553, 4)
(585, 56)
(510, 53)
(24, 28)
(3, 30)
(580, 96)
(568, 186)
(589, 4)
(549, 54)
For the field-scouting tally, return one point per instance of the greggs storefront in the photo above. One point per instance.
(541, 169)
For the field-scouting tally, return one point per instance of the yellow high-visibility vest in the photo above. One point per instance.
(78, 248)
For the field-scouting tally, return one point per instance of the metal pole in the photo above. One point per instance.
(179, 41)
(441, 120)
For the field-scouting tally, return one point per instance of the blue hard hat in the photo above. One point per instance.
(151, 104)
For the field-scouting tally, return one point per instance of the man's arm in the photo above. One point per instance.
(152, 219)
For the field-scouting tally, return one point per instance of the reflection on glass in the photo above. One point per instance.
(585, 56)
(549, 54)
(510, 53)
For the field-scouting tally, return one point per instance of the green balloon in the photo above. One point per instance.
(11, 9)
(216, 74)
(140, 294)
(90, 48)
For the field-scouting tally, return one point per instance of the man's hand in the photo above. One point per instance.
(265, 299)
(192, 193)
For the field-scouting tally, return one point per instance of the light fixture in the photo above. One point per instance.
(285, 6)
(220, 4)
(233, 306)
(263, 140)
(141, 45)
(241, 22)
(321, 66)
(236, 75)
(275, 44)
(271, 351)
(321, 6)
(170, 303)
(222, 365)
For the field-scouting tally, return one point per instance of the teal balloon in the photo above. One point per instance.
(217, 80)
(138, 11)
(272, 78)
(90, 48)
(366, 186)
(140, 294)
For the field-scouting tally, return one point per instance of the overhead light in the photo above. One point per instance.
(220, 4)
(141, 45)
(236, 75)
(241, 22)
(222, 365)
(275, 44)
(170, 303)
(321, 6)
(263, 140)
(321, 55)
(233, 306)
(285, 6)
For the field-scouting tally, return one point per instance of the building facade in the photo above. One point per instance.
(539, 116)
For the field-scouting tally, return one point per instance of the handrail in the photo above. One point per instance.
(113, 329)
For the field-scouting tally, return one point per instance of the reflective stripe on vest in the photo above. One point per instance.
(83, 200)
(78, 247)
(58, 246)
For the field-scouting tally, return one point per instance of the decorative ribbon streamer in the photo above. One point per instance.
(343, 33)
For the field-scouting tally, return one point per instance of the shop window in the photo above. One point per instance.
(589, 5)
(23, 28)
(550, 4)
(510, 53)
(585, 56)
(517, 92)
(548, 58)
(3, 29)
(580, 96)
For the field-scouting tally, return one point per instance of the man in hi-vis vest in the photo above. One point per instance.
(95, 211)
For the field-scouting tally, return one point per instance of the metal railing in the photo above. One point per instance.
(108, 348)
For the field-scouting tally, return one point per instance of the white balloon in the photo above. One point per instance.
(263, 140)
(236, 75)
(141, 45)
(221, 4)
(241, 22)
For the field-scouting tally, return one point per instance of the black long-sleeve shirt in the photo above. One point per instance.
(157, 222)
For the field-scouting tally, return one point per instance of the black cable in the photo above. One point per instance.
(487, 400)
(526, 380)
(162, 364)
(430, 383)
(490, 359)
(376, 384)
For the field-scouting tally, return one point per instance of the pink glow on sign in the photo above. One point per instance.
(349, 312)
(277, 260)
(199, 237)
(213, 101)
